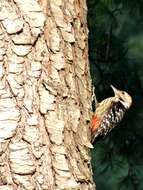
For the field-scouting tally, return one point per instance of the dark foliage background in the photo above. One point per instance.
(116, 57)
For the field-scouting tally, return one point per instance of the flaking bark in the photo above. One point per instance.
(45, 95)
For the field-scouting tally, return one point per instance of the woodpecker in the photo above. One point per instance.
(109, 113)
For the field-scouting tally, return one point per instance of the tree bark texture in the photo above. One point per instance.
(45, 96)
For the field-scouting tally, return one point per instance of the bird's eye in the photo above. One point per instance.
(123, 92)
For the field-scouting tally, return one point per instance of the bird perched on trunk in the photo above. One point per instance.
(109, 113)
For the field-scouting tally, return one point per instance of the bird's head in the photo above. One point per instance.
(123, 97)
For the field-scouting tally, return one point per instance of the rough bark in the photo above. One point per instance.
(45, 95)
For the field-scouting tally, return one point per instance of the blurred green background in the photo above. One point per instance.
(116, 57)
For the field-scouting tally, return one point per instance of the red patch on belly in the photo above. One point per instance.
(95, 123)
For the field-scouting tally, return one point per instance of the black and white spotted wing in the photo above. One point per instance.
(112, 117)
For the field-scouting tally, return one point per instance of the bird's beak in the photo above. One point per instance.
(114, 89)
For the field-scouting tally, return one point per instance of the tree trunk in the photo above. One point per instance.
(45, 96)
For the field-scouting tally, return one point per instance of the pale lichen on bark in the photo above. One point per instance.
(44, 95)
